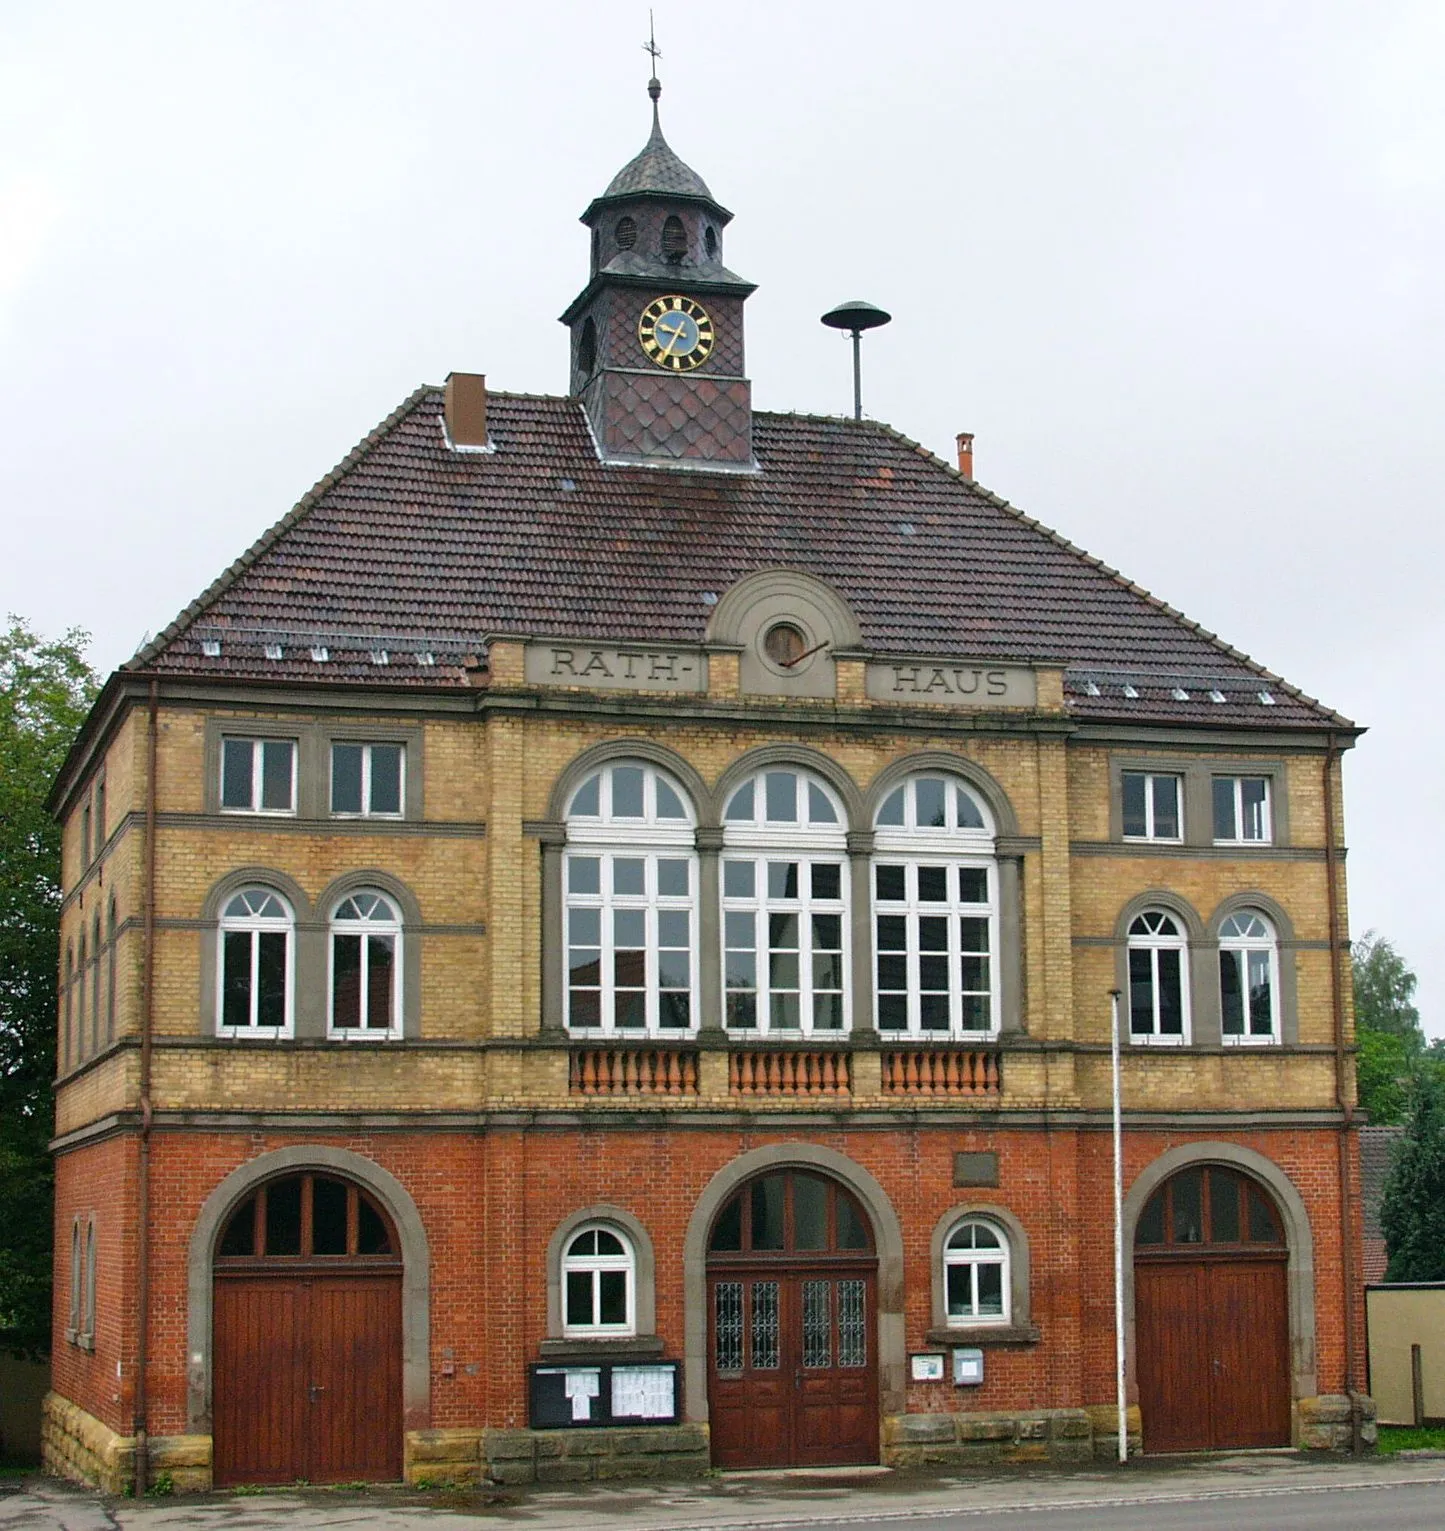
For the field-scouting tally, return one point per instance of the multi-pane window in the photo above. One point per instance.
(258, 775)
(256, 965)
(599, 1275)
(1241, 810)
(935, 912)
(976, 1274)
(1248, 978)
(366, 967)
(1158, 987)
(1152, 806)
(784, 890)
(367, 780)
(631, 897)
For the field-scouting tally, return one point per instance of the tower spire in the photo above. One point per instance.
(654, 85)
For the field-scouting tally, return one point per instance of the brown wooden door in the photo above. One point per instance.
(1247, 1304)
(307, 1378)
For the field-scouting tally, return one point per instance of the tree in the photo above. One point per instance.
(46, 689)
(1384, 1067)
(1385, 990)
(1412, 1211)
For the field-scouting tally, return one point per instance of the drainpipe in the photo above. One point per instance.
(143, 1178)
(1343, 1102)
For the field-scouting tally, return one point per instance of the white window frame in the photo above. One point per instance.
(651, 838)
(813, 838)
(1238, 948)
(971, 1260)
(1153, 943)
(257, 743)
(1237, 784)
(387, 925)
(366, 746)
(595, 1265)
(255, 926)
(952, 846)
(1149, 835)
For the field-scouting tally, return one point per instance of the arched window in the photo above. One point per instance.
(626, 233)
(68, 1039)
(1158, 986)
(95, 962)
(308, 1217)
(255, 970)
(631, 890)
(587, 347)
(87, 1304)
(75, 1280)
(365, 967)
(935, 905)
(1248, 978)
(599, 1280)
(709, 242)
(976, 1273)
(1208, 1205)
(785, 906)
(674, 240)
(113, 927)
(82, 964)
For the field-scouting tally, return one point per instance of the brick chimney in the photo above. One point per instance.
(466, 409)
(965, 453)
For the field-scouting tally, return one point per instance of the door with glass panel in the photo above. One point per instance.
(792, 1363)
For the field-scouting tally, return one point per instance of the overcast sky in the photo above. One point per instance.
(1180, 266)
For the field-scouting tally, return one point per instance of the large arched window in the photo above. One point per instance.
(1158, 978)
(87, 1300)
(312, 1216)
(68, 1040)
(1248, 978)
(256, 963)
(785, 906)
(113, 926)
(76, 1277)
(365, 967)
(599, 1284)
(95, 983)
(935, 907)
(631, 892)
(81, 970)
(976, 1280)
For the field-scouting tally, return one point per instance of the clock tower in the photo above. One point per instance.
(657, 332)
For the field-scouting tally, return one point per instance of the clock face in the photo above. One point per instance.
(675, 333)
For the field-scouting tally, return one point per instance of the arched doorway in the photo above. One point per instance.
(307, 1336)
(791, 1300)
(1212, 1314)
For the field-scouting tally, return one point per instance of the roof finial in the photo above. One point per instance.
(654, 85)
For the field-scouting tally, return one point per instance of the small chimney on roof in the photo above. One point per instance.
(965, 453)
(466, 409)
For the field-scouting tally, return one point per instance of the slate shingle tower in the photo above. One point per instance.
(679, 395)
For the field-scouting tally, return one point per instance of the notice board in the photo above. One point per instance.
(586, 1394)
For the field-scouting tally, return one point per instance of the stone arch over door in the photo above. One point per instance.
(416, 1271)
(1299, 1239)
(887, 1236)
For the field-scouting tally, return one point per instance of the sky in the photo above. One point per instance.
(1179, 267)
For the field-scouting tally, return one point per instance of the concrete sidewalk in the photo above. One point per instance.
(730, 1502)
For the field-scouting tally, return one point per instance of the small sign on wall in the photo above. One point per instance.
(927, 1368)
(603, 1393)
(967, 1368)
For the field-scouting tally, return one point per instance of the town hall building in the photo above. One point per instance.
(588, 951)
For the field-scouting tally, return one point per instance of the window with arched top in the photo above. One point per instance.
(631, 884)
(626, 233)
(82, 973)
(936, 911)
(1248, 978)
(599, 1284)
(709, 242)
(1209, 1205)
(674, 239)
(68, 1039)
(256, 964)
(977, 1286)
(785, 906)
(366, 938)
(306, 1217)
(95, 982)
(76, 1276)
(113, 927)
(87, 1302)
(587, 347)
(1158, 978)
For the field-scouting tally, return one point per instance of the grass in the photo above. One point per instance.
(1408, 1438)
(10, 1468)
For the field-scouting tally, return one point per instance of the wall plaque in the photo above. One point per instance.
(952, 682)
(615, 667)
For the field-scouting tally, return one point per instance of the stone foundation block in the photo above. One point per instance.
(1325, 1423)
(443, 1456)
(983, 1439)
(582, 1456)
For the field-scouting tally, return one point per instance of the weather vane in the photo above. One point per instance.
(654, 85)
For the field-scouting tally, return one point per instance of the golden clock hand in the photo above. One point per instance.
(672, 340)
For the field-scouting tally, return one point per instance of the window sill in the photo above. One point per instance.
(642, 1345)
(987, 1334)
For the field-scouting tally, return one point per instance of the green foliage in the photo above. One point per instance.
(163, 1487)
(46, 689)
(1385, 991)
(1412, 1211)
(1395, 1438)
(1384, 1068)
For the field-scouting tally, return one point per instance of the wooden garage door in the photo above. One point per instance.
(306, 1343)
(1212, 1316)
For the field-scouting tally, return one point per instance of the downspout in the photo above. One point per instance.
(143, 1177)
(1343, 1102)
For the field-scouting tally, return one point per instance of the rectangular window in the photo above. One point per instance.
(1152, 806)
(1241, 810)
(367, 780)
(631, 957)
(784, 951)
(935, 933)
(1246, 993)
(253, 979)
(258, 775)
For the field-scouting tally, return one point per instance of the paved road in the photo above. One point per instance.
(1277, 1493)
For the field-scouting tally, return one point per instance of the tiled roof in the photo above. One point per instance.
(657, 169)
(1377, 1145)
(411, 548)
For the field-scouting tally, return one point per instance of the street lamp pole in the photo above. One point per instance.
(1123, 1425)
